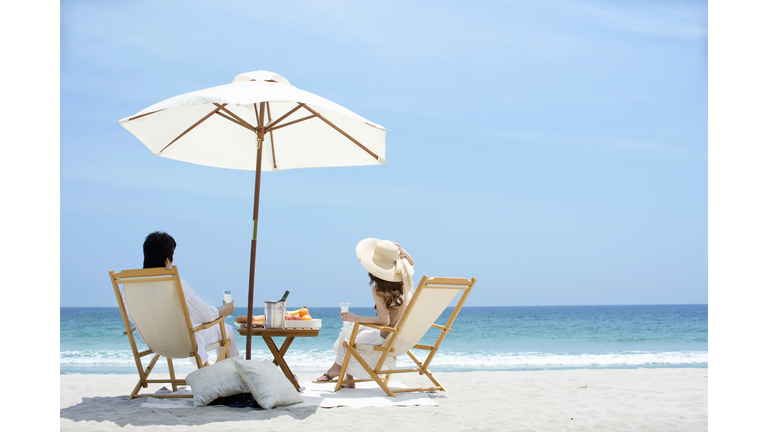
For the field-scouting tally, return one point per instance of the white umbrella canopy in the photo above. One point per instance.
(170, 128)
(258, 122)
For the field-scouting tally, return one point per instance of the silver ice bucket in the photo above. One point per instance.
(274, 314)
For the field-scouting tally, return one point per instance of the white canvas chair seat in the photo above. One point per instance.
(431, 298)
(154, 301)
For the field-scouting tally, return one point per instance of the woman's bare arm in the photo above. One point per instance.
(381, 308)
(404, 254)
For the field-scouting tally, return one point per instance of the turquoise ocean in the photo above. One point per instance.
(507, 338)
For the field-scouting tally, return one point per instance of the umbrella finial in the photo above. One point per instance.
(261, 75)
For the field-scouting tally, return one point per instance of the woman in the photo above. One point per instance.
(390, 269)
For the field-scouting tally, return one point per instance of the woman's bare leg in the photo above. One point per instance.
(348, 377)
(333, 372)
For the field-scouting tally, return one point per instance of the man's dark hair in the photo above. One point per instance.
(157, 247)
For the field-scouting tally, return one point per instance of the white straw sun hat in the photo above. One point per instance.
(382, 259)
(379, 257)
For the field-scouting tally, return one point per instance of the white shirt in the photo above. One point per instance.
(199, 312)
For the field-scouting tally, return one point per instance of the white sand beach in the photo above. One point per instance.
(672, 399)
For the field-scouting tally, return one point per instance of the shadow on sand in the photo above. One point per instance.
(122, 411)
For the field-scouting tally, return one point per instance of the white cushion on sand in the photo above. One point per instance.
(267, 383)
(217, 380)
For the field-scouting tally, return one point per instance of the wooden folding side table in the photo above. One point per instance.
(288, 334)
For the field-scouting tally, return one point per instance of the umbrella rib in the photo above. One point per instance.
(328, 122)
(236, 119)
(249, 127)
(271, 137)
(191, 127)
(292, 122)
(271, 125)
(145, 114)
(256, 111)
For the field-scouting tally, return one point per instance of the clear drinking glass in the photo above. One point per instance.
(344, 306)
(227, 295)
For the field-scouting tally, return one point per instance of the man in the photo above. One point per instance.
(158, 252)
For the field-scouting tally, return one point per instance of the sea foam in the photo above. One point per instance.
(314, 360)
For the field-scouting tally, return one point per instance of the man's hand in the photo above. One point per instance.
(226, 308)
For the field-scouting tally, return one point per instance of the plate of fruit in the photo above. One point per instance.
(300, 318)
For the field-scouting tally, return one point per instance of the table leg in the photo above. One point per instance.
(278, 354)
(284, 347)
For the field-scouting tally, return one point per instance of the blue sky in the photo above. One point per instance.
(556, 151)
(595, 112)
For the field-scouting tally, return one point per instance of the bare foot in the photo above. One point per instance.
(332, 373)
(348, 377)
(324, 378)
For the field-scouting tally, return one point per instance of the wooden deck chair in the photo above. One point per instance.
(431, 298)
(157, 307)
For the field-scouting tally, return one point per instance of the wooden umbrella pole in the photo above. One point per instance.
(257, 188)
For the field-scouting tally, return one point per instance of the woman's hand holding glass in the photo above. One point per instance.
(349, 316)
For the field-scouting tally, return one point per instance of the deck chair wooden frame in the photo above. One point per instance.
(157, 279)
(408, 332)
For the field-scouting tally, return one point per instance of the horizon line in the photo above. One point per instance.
(466, 306)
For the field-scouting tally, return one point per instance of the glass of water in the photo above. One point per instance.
(344, 306)
(227, 295)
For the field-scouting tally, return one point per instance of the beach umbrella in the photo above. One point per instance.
(258, 122)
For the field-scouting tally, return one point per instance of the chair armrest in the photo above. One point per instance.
(440, 327)
(208, 324)
(380, 327)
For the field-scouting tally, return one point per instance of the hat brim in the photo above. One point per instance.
(364, 251)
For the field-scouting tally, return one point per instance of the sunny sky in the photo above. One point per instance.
(556, 151)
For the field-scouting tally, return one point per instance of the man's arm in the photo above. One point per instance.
(199, 312)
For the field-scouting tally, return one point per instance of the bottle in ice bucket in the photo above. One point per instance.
(274, 312)
(283, 308)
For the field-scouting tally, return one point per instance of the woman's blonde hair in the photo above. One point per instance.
(391, 291)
